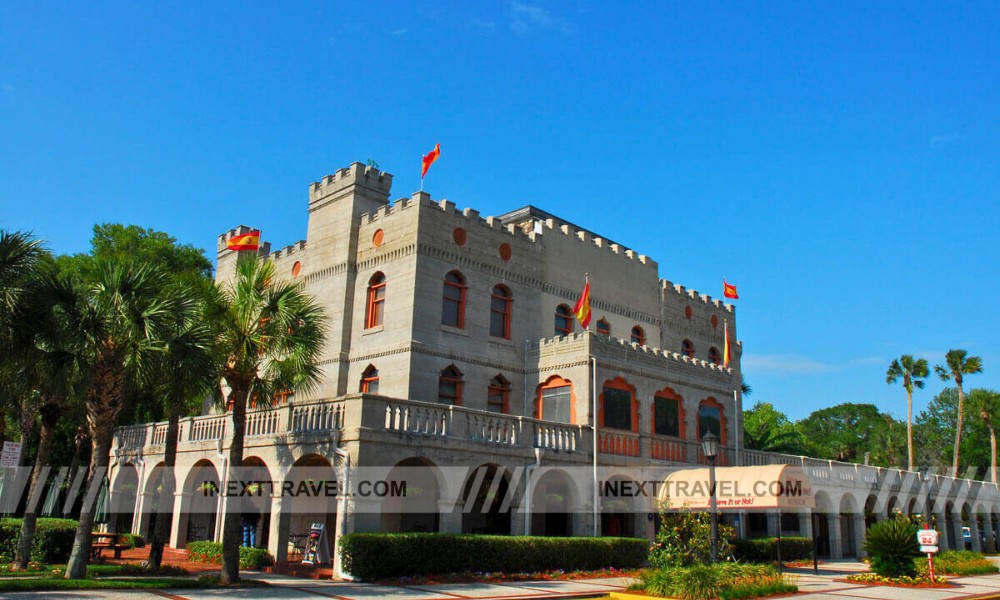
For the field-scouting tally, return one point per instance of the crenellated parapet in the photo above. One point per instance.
(695, 296)
(355, 178)
(572, 341)
(293, 249)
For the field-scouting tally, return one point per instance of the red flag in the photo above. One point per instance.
(727, 353)
(582, 307)
(429, 159)
(729, 290)
(247, 241)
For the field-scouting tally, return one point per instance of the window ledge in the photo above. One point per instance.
(501, 341)
(372, 330)
(455, 330)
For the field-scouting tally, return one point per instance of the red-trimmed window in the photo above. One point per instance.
(375, 311)
(450, 386)
(711, 418)
(564, 320)
(603, 327)
(501, 302)
(555, 400)
(284, 396)
(369, 380)
(687, 348)
(714, 356)
(638, 336)
(668, 414)
(453, 302)
(619, 408)
(498, 395)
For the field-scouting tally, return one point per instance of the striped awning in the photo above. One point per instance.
(739, 488)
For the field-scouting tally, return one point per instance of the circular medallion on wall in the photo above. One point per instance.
(459, 236)
(505, 251)
(296, 269)
(378, 238)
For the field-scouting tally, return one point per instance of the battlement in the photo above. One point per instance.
(357, 174)
(288, 250)
(222, 246)
(674, 358)
(683, 292)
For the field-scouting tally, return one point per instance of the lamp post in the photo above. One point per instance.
(710, 447)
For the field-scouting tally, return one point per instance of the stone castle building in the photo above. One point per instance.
(452, 343)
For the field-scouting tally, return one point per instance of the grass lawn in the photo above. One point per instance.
(101, 577)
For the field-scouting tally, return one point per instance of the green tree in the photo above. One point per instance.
(117, 241)
(182, 374)
(270, 336)
(957, 365)
(934, 434)
(122, 318)
(912, 371)
(770, 430)
(987, 404)
(850, 431)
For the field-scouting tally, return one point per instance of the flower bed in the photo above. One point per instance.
(726, 581)
(920, 581)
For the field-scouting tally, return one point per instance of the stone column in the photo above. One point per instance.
(974, 529)
(956, 527)
(944, 541)
(806, 524)
(140, 522)
(450, 520)
(277, 535)
(178, 524)
(860, 533)
(773, 522)
(836, 542)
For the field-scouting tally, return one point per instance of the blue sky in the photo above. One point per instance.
(840, 162)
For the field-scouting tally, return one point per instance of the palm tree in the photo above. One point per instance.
(122, 318)
(987, 402)
(53, 368)
(912, 371)
(270, 337)
(184, 372)
(958, 364)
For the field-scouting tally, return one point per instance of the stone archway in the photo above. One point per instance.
(553, 502)
(124, 489)
(306, 499)
(418, 510)
(485, 505)
(253, 501)
(200, 505)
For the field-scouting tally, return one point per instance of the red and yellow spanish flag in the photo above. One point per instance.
(726, 352)
(582, 307)
(729, 290)
(246, 241)
(429, 159)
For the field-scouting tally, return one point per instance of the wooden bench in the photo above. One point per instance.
(106, 541)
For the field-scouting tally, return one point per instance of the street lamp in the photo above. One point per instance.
(926, 477)
(710, 447)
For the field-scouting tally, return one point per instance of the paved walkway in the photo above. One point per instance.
(827, 585)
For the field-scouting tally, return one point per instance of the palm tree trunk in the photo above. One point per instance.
(993, 453)
(164, 514)
(958, 431)
(50, 417)
(103, 403)
(231, 535)
(909, 431)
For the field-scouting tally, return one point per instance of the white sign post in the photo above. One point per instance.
(11, 454)
(928, 539)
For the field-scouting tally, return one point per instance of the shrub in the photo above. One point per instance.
(250, 558)
(763, 550)
(956, 562)
(892, 545)
(378, 555)
(727, 581)
(53, 540)
(132, 540)
(684, 538)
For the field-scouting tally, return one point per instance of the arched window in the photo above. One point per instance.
(498, 395)
(284, 396)
(501, 301)
(638, 336)
(450, 386)
(711, 418)
(376, 301)
(369, 380)
(453, 303)
(619, 408)
(555, 400)
(603, 327)
(687, 348)
(564, 320)
(713, 355)
(668, 414)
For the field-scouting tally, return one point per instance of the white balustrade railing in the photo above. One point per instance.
(317, 417)
(262, 422)
(494, 428)
(208, 428)
(422, 418)
(562, 437)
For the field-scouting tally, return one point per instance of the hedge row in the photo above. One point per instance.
(53, 541)
(763, 550)
(250, 558)
(377, 555)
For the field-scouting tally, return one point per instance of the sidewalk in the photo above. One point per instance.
(826, 586)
